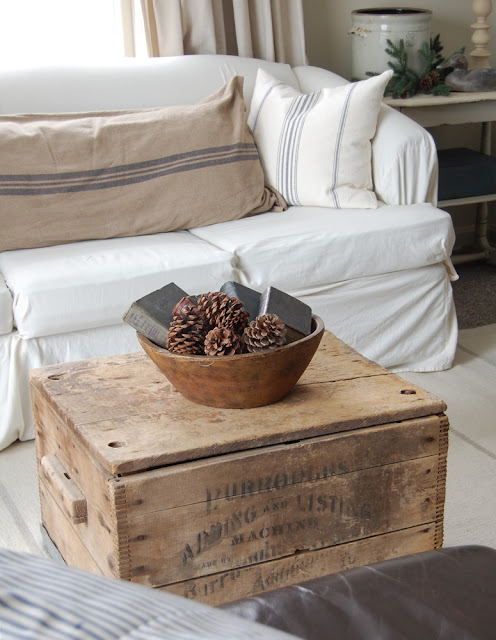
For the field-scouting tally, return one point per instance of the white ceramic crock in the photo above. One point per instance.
(371, 28)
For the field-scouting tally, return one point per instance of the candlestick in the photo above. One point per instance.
(480, 55)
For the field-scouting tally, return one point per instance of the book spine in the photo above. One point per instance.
(146, 325)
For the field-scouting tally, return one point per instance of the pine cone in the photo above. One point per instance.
(185, 308)
(186, 336)
(221, 341)
(219, 310)
(429, 81)
(187, 329)
(265, 332)
(233, 316)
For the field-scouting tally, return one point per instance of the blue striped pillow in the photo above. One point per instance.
(316, 148)
(46, 600)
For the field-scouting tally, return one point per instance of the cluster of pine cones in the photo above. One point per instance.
(429, 81)
(217, 325)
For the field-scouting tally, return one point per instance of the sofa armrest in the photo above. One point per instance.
(404, 157)
(404, 160)
(6, 313)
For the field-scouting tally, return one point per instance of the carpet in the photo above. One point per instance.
(475, 294)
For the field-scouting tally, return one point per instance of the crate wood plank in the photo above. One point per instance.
(116, 401)
(53, 437)
(63, 535)
(89, 378)
(186, 432)
(227, 586)
(87, 389)
(68, 494)
(191, 541)
(285, 465)
(99, 534)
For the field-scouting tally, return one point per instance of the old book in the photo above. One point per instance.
(152, 314)
(293, 312)
(249, 297)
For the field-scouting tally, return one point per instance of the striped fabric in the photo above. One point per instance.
(123, 175)
(45, 600)
(316, 148)
(339, 145)
(289, 141)
(70, 177)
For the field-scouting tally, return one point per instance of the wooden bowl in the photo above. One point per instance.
(241, 381)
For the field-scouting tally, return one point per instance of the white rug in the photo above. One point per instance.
(470, 513)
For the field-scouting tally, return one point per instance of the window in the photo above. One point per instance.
(52, 31)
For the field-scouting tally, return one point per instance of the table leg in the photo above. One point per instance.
(485, 145)
(481, 225)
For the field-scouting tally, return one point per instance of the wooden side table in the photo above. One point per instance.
(459, 108)
(138, 483)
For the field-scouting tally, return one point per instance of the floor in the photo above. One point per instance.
(469, 390)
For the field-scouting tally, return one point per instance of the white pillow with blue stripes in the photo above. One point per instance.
(316, 148)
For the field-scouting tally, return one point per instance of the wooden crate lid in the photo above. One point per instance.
(129, 417)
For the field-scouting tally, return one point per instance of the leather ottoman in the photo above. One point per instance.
(446, 594)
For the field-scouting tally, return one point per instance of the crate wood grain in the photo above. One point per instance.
(226, 586)
(138, 483)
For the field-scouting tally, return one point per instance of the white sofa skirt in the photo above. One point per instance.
(406, 318)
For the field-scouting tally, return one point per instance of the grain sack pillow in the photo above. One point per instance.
(316, 148)
(70, 177)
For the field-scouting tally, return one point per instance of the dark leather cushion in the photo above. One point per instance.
(447, 594)
(464, 173)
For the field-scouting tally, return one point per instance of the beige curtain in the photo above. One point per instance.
(268, 29)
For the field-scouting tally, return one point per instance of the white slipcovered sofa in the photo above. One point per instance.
(380, 278)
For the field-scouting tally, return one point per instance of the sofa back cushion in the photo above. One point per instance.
(130, 83)
(70, 177)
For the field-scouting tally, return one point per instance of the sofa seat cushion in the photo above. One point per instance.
(307, 247)
(5, 308)
(91, 284)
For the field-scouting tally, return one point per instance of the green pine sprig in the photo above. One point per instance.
(436, 49)
(405, 81)
(431, 56)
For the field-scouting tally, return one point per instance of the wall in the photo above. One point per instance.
(328, 43)
(327, 23)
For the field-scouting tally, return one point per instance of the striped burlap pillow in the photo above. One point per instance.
(70, 177)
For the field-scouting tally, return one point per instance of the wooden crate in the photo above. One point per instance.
(215, 504)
